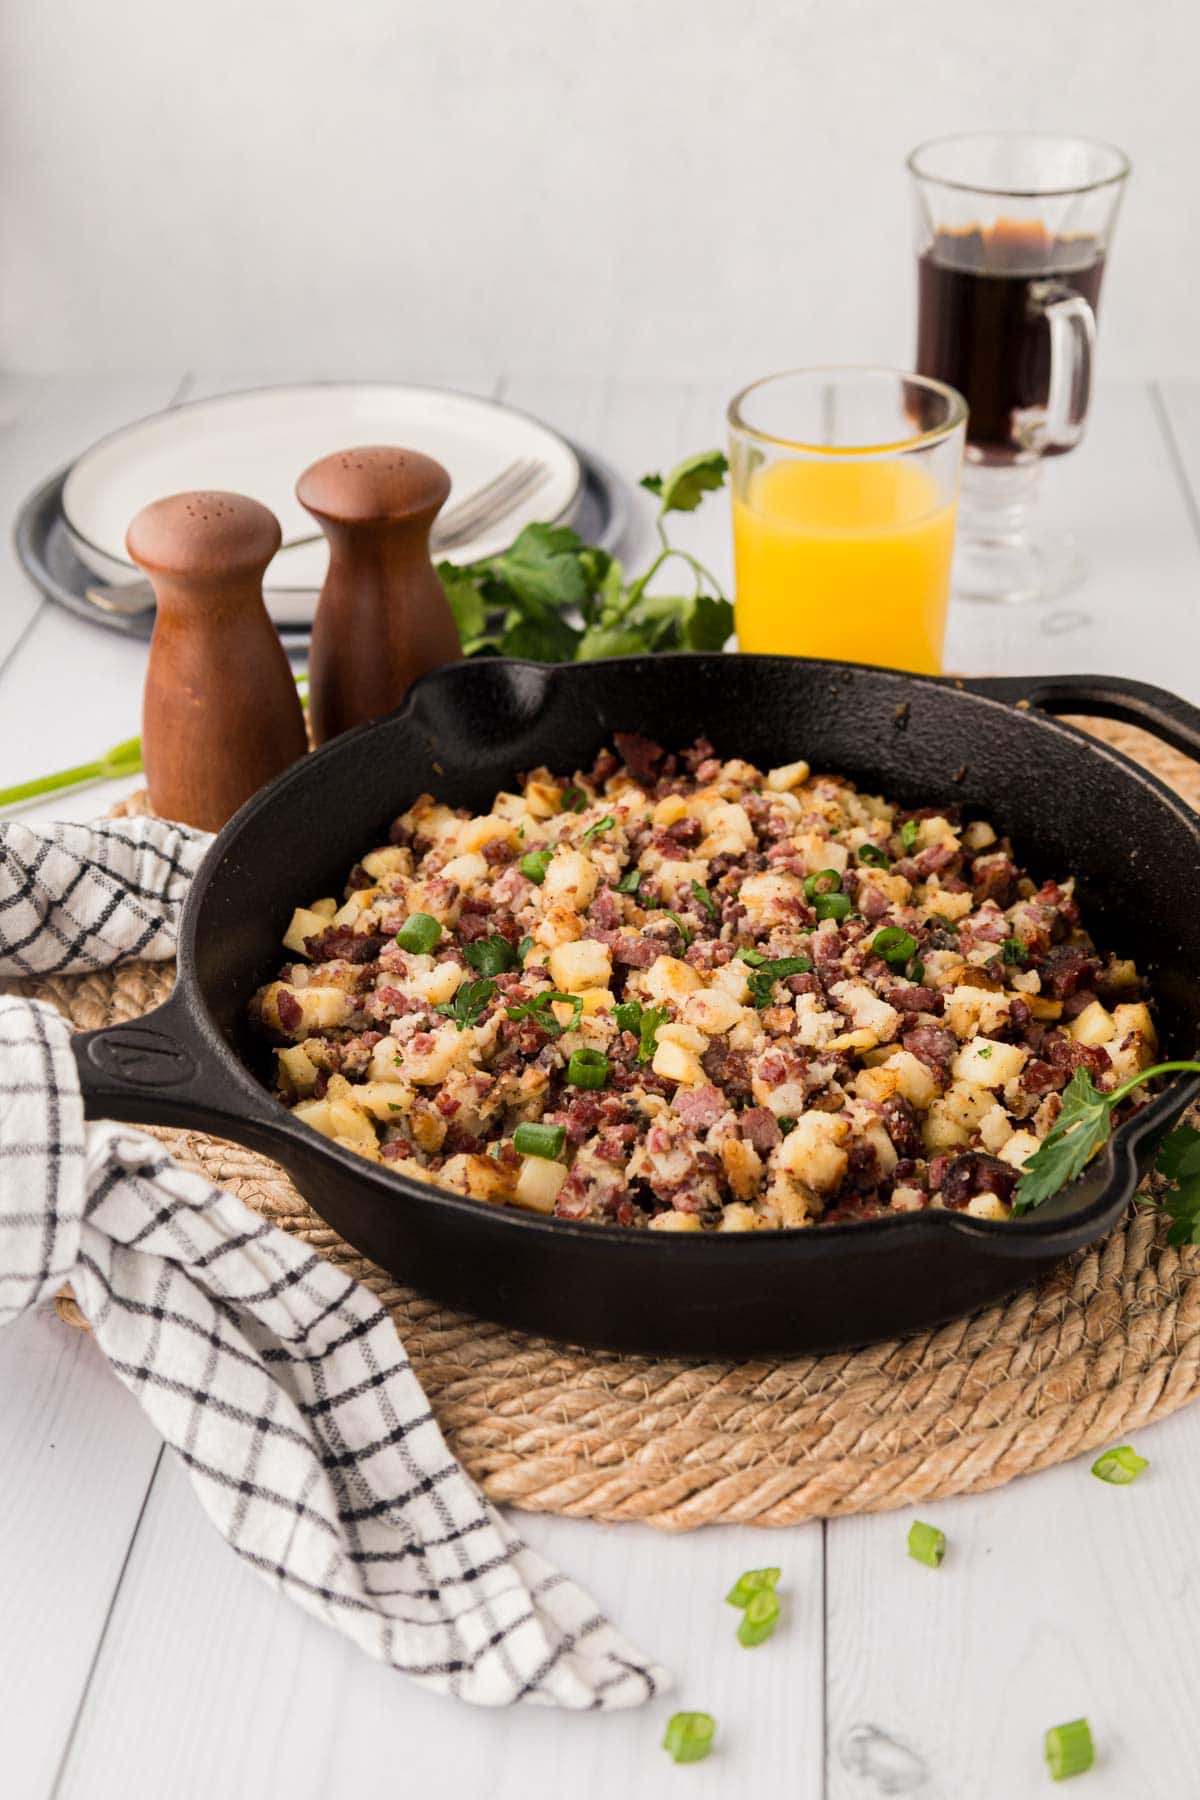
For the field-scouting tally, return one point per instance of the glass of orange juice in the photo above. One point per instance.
(845, 488)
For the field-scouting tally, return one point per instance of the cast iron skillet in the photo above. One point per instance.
(1071, 804)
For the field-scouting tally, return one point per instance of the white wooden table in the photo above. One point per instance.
(139, 1659)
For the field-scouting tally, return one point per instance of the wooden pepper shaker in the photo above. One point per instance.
(383, 618)
(220, 713)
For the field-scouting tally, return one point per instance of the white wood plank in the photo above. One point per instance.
(1178, 402)
(52, 423)
(1060, 1597)
(209, 1683)
(76, 1458)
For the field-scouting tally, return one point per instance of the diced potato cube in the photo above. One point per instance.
(907, 1199)
(597, 1002)
(580, 965)
(743, 1167)
(978, 835)
(812, 1151)
(320, 1008)
(669, 978)
(788, 776)
(876, 1085)
(675, 1221)
(669, 811)
(326, 907)
(1019, 1148)
(733, 978)
(987, 1063)
(866, 1010)
(739, 1217)
(935, 831)
(854, 1040)
(974, 1010)
(366, 1147)
(316, 1114)
(391, 859)
(465, 870)
(305, 924)
(1043, 1008)
(429, 1066)
(475, 833)
(384, 1100)
(937, 900)
(771, 899)
(728, 829)
(943, 1129)
(479, 1177)
(571, 880)
(676, 875)
(676, 1032)
(987, 1206)
(358, 903)
(1135, 1016)
(509, 806)
(712, 1011)
(915, 1078)
(558, 925)
(675, 1063)
(995, 1129)
(435, 982)
(1094, 1025)
(297, 1068)
(821, 853)
(538, 1183)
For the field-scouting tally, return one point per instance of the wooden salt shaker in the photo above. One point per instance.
(220, 712)
(383, 618)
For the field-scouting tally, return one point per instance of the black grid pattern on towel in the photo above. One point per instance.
(279, 1381)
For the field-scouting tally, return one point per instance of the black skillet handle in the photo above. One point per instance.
(154, 1071)
(1155, 709)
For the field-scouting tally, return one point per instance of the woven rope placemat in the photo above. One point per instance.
(1107, 1342)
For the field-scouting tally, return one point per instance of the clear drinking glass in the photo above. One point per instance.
(845, 483)
(1013, 229)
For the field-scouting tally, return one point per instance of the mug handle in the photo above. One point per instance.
(1072, 326)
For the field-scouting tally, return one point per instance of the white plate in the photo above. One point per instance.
(259, 442)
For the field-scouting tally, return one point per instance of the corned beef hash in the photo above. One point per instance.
(685, 994)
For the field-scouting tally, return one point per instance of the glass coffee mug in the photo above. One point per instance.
(1013, 229)
(845, 483)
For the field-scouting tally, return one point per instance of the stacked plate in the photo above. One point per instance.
(506, 469)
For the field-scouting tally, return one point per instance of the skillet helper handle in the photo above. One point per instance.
(1156, 710)
(152, 1071)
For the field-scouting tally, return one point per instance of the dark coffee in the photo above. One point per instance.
(979, 327)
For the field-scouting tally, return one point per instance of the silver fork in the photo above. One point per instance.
(477, 513)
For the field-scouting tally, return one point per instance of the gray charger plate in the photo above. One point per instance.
(43, 545)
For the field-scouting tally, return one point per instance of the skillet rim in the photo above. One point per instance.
(1114, 1173)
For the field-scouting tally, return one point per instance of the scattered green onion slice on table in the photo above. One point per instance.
(587, 1069)
(689, 1736)
(491, 956)
(831, 906)
(1069, 1749)
(752, 1582)
(825, 881)
(759, 1618)
(926, 1544)
(533, 865)
(894, 945)
(419, 933)
(1120, 1466)
(872, 855)
(540, 1140)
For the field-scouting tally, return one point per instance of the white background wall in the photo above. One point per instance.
(402, 185)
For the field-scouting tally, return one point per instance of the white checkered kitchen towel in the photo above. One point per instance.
(279, 1381)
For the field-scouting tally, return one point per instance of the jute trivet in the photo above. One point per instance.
(1106, 1343)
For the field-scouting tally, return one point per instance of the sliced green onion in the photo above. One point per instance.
(538, 1009)
(872, 854)
(419, 933)
(916, 971)
(684, 933)
(908, 833)
(491, 956)
(755, 958)
(652, 1018)
(1069, 1749)
(628, 883)
(894, 945)
(604, 824)
(533, 865)
(926, 1544)
(751, 1583)
(705, 899)
(825, 881)
(689, 1736)
(540, 1140)
(573, 800)
(1013, 950)
(759, 1619)
(587, 1069)
(1120, 1466)
(831, 906)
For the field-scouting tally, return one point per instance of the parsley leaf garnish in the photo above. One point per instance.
(685, 486)
(491, 955)
(628, 883)
(763, 978)
(1083, 1126)
(651, 1019)
(469, 1003)
(538, 1009)
(1179, 1161)
(1014, 950)
(705, 898)
(604, 824)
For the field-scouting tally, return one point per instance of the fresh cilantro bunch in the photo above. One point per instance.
(1084, 1126)
(552, 598)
